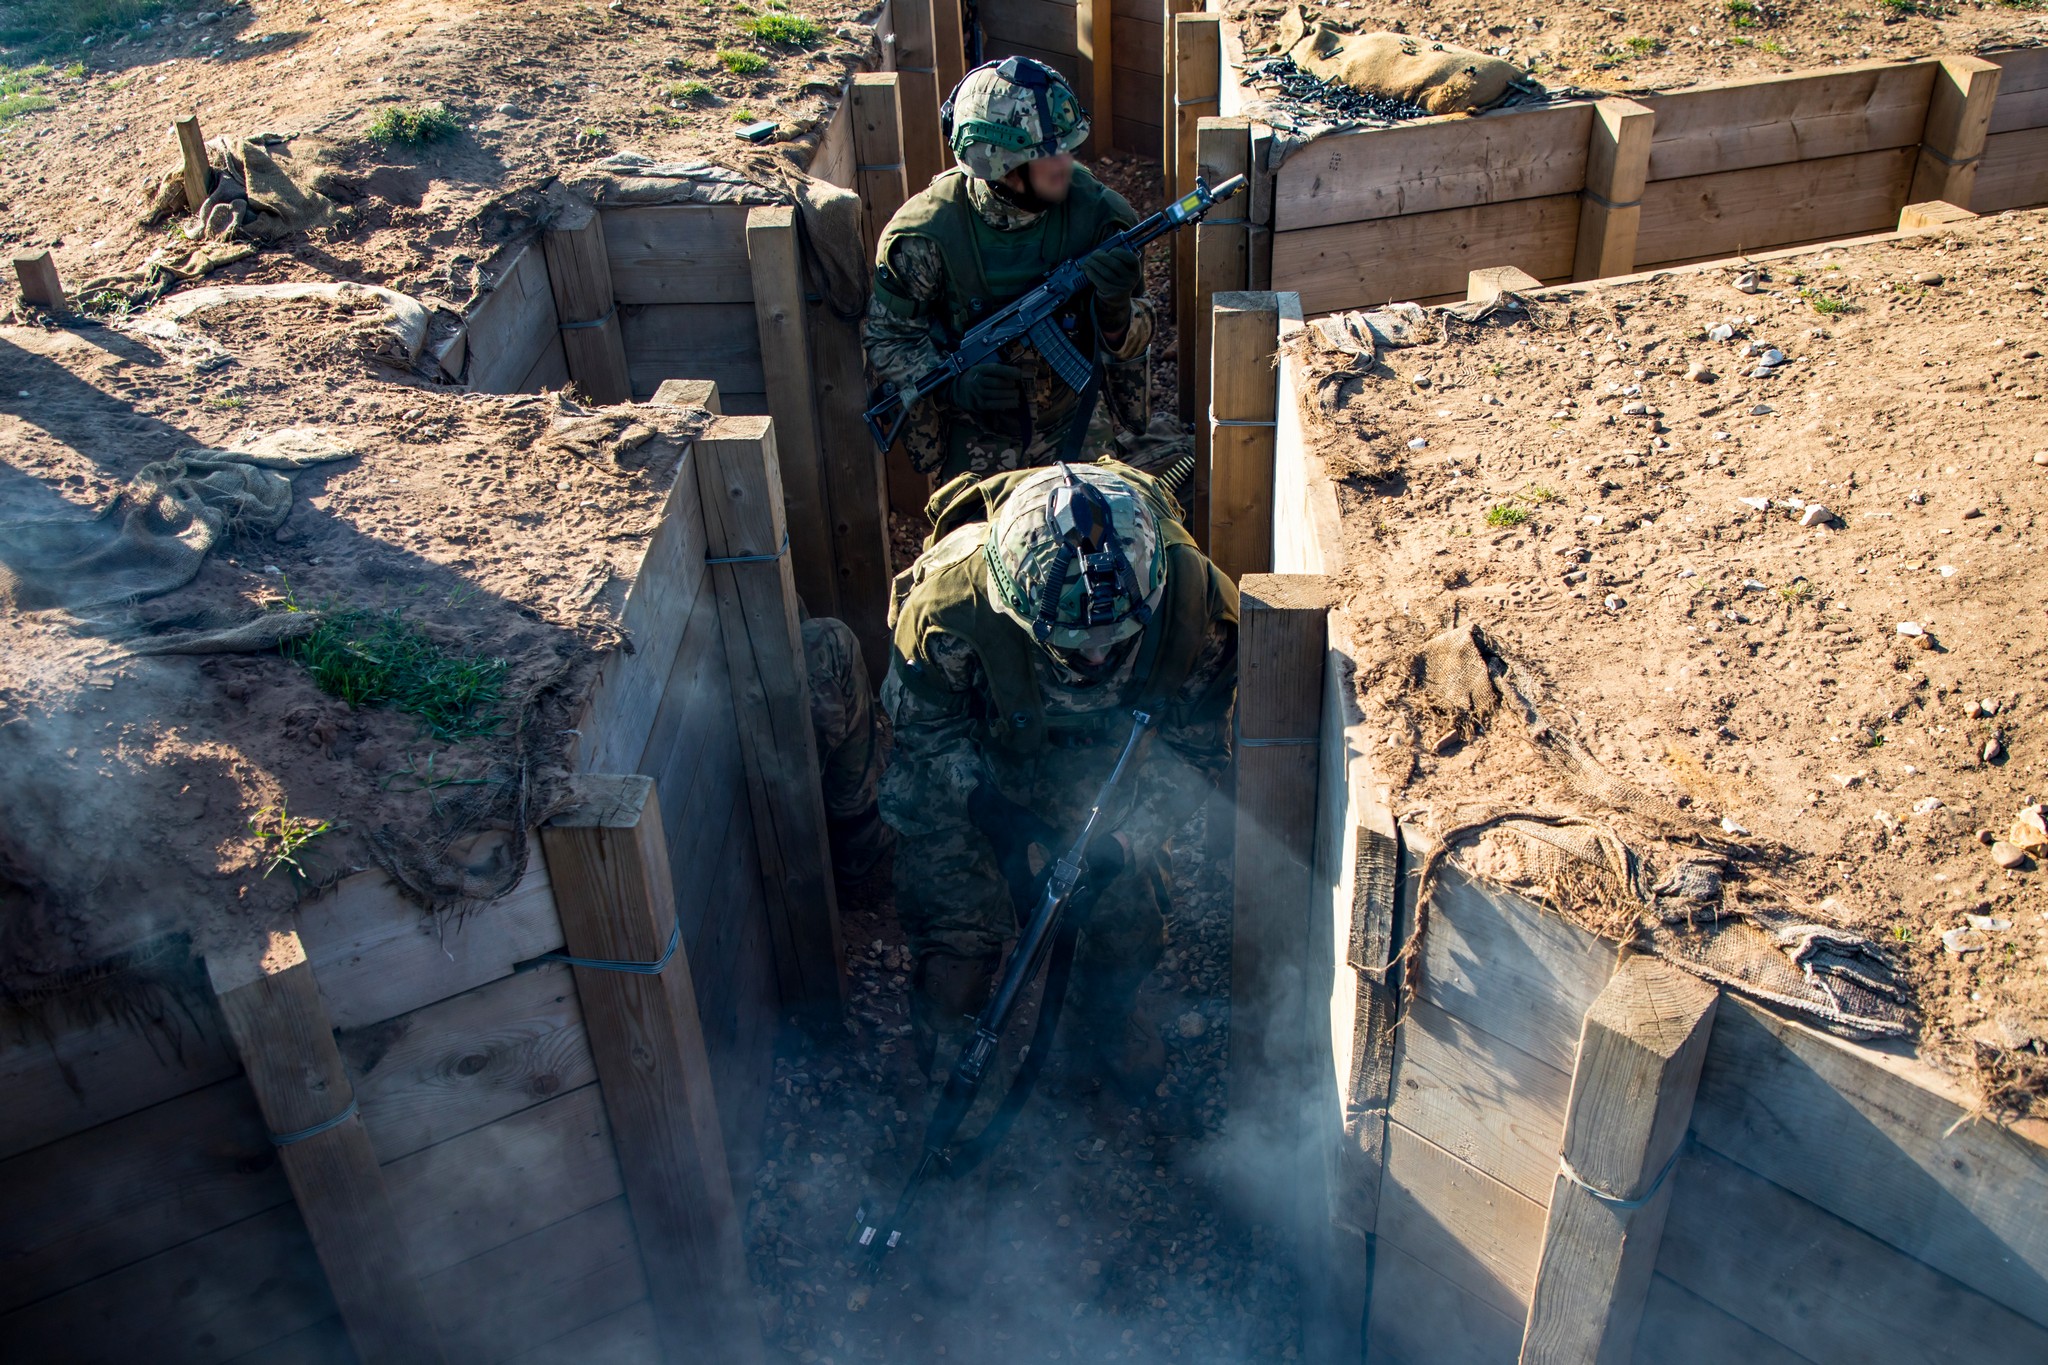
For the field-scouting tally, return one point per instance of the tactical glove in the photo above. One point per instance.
(1011, 830)
(1115, 276)
(990, 388)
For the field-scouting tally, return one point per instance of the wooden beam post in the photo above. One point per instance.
(741, 485)
(1914, 217)
(1222, 149)
(690, 393)
(1197, 59)
(1486, 286)
(580, 277)
(1170, 187)
(924, 154)
(36, 273)
(949, 49)
(1092, 22)
(1241, 424)
(1282, 634)
(192, 151)
(1611, 206)
(280, 1027)
(608, 863)
(1259, 210)
(878, 151)
(779, 317)
(1958, 120)
(1640, 1053)
(856, 484)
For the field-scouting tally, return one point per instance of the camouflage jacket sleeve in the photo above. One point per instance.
(1188, 760)
(936, 764)
(900, 348)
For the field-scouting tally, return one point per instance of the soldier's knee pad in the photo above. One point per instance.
(955, 985)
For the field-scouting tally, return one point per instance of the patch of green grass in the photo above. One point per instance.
(415, 125)
(75, 71)
(789, 30)
(52, 26)
(1797, 592)
(1742, 14)
(742, 116)
(21, 95)
(1537, 494)
(382, 659)
(683, 92)
(1642, 46)
(1503, 516)
(226, 402)
(741, 63)
(1899, 9)
(1828, 305)
(281, 837)
(1773, 46)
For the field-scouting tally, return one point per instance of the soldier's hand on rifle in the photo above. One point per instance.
(1115, 275)
(1012, 830)
(990, 388)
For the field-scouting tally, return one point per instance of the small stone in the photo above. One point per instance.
(1421, 381)
(1987, 706)
(1773, 356)
(1614, 602)
(1489, 400)
(1762, 410)
(1911, 629)
(1728, 826)
(2007, 856)
(1986, 837)
(1886, 821)
(1722, 332)
(1191, 1024)
(1990, 924)
(1993, 750)
(1418, 444)
(1754, 504)
(510, 110)
(1960, 940)
(1816, 515)
(1762, 372)
(1847, 780)
(1091, 1267)
(1928, 277)
(1973, 710)
(1699, 373)
(1746, 283)
(1926, 804)
(1635, 408)
(2041, 457)
(1724, 435)
(1917, 498)
(1972, 513)
(1755, 585)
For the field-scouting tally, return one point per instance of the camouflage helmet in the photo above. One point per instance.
(1076, 557)
(1009, 112)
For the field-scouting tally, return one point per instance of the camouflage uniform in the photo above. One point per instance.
(849, 743)
(916, 311)
(954, 903)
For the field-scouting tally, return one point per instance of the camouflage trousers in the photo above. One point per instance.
(842, 717)
(957, 911)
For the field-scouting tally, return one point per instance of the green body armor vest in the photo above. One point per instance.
(952, 598)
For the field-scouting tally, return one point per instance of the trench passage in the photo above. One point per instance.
(1087, 1236)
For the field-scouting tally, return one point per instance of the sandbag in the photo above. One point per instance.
(1436, 76)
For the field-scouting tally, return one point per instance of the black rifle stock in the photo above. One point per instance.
(1034, 945)
(1035, 316)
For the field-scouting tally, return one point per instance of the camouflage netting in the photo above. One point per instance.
(1618, 861)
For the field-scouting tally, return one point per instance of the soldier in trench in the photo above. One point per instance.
(982, 234)
(1010, 697)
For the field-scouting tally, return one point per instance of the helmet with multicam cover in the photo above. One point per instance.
(1009, 112)
(1076, 558)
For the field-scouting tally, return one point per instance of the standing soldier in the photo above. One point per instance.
(979, 236)
(1048, 604)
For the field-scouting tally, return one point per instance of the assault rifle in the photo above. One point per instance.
(1035, 317)
(1045, 934)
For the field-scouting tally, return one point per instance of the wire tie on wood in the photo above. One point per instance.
(1244, 743)
(885, 166)
(920, 70)
(754, 559)
(1216, 421)
(1615, 1201)
(594, 322)
(1604, 202)
(605, 964)
(287, 1139)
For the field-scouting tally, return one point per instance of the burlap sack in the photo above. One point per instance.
(1438, 77)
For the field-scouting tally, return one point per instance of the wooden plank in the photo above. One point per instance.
(741, 483)
(738, 1000)
(567, 1274)
(878, 151)
(1915, 217)
(83, 1074)
(198, 175)
(1137, 138)
(486, 1187)
(1632, 1095)
(1302, 541)
(1356, 265)
(1746, 211)
(1418, 1317)
(1466, 1226)
(1431, 165)
(1046, 25)
(203, 1301)
(924, 151)
(1770, 120)
(1064, 62)
(1197, 72)
(626, 1337)
(1222, 256)
(36, 274)
(2017, 109)
(510, 328)
(1259, 208)
(580, 274)
(832, 162)
(550, 372)
(129, 1189)
(2014, 172)
(1138, 45)
(780, 316)
(377, 955)
(856, 485)
(688, 393)
(1240, 475)
(715, 341)
(1958, 117)
(322, 1343)
(1282, 635)
(1487, 286)
(610, 864)
(619, 710)
(1681, 1328)
(1470, 1093)
(1886, 1144)
(1611, 207)
(1818, 1286)
(1169, 92)
(678, 253)
(1094, 39)
(281, 1029)
(431, 1075)
(1496, 961)
(949, 46)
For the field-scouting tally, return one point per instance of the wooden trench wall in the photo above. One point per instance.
(1550, 1153)
(534, 1164)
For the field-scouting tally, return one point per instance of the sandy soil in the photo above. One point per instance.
(1669, 44)
(1717, 651)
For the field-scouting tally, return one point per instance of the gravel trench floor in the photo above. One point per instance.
(1091, 1234)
